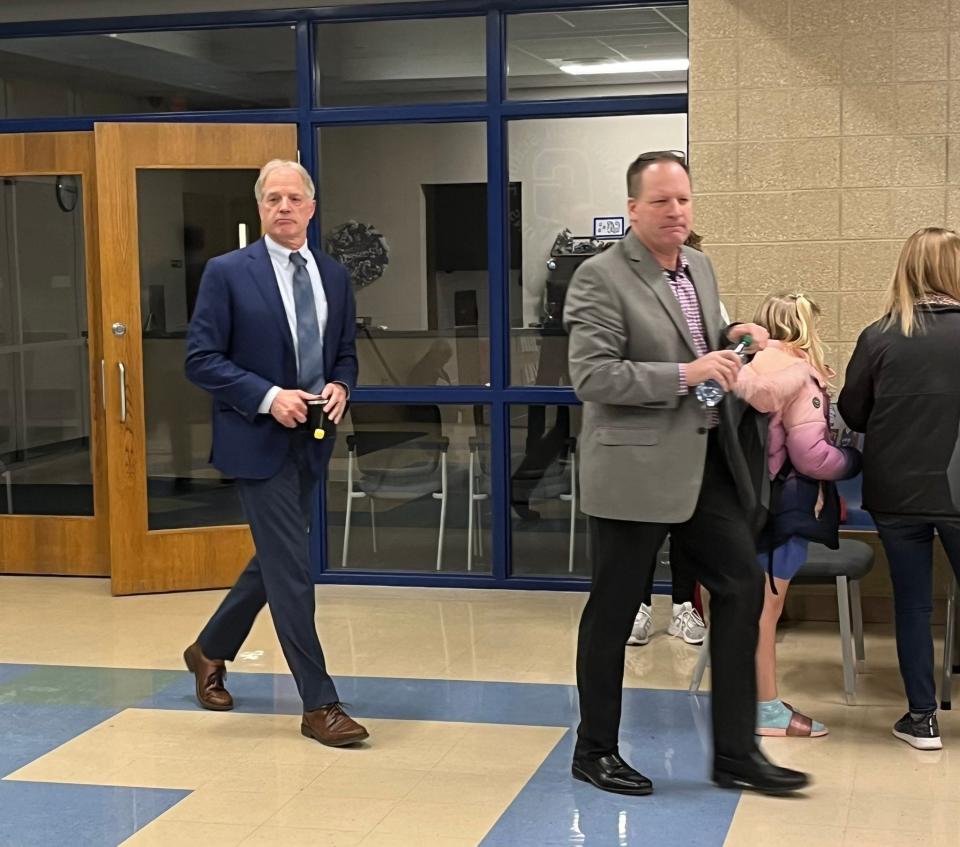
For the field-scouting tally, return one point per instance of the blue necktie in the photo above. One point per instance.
(309, 340)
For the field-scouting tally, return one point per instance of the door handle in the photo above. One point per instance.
(123, 392)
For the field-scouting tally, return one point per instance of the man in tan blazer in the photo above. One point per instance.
(645, 329)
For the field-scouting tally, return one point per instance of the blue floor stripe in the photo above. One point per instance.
(41, 814)
(664, 733)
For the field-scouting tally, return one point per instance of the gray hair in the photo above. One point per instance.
(279, 165)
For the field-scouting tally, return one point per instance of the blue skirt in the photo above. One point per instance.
(788, 558)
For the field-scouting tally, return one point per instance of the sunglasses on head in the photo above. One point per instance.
(653, 155)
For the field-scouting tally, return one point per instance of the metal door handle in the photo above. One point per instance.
(123, 392)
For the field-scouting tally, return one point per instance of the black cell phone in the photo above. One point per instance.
(317, 424)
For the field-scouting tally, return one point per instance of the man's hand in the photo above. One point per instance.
(758, 333)
(289, 407)
(721, 365)
(336, 396)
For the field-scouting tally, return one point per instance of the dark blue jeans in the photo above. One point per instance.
(908, 544)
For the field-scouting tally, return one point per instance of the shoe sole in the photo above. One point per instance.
(919, 743)
(306, 732)
(686, 638)
(210, 706)
(726, 781)
(638, 792)
(636, 642)
(776, 732)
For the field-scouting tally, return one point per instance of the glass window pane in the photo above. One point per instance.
(44, 386)
(399, 489)
(405, 209)
(549, 530)
(393, 62)
(566, 172)
(185, 217)
(597, 53)
(144, 72)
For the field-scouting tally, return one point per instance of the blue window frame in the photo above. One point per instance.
(495, 111)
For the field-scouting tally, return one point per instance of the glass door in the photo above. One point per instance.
(171, 196)
(53, 508)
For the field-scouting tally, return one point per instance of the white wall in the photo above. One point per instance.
(570, 171)
(573, 170)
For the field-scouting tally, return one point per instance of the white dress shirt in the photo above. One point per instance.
(283, 268)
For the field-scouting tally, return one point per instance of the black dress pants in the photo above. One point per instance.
(719, 547)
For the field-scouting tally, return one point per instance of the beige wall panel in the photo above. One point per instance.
(725, 258)
(867, 265)
(868, 58)
(764, 62)
(814, 112)
(716, 217)
(765, 114)
(714, 166)
(869, 15)
(815, 17)
(713, 115)
(713, 63)
(797, 164)
(921, 55)
(763, 18)
(713, 19)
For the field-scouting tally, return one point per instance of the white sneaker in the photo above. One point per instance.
(687, 624)
(641, 626)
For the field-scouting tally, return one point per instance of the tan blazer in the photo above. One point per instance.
(642, 446)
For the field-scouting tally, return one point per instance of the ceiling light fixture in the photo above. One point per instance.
(605, 66)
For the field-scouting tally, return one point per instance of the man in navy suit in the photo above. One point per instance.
(274, 328)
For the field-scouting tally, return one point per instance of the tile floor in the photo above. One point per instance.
(470, 701)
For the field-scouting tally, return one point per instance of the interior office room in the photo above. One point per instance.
(468, 156)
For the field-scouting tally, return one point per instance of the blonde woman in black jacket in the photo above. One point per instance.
(903, 390)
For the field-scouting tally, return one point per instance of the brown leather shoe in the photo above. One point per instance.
(209, 674)
(332, 726)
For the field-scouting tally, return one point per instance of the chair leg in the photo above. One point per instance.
(470, 503)
(346, 523)
(946, 685)
(956, 629)
(703, 660)
(480, 501)
(856, 610)
(443, 508)
(573, 513)
(846, 641)
(373, 524)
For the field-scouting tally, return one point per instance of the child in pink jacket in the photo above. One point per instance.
(789, 381)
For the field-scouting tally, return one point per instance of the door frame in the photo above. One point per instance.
(144, 560)
(54, 544)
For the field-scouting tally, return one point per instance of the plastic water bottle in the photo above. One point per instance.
(710, 393)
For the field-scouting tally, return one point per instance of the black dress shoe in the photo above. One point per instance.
(756, 772)
(611, 773)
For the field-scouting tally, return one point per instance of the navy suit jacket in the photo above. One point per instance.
(239, 345)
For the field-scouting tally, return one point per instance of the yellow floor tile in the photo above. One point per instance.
(240, 807)
(288, 836)
(372, 783)
(170, 833)
(418, 820)
(346, 814)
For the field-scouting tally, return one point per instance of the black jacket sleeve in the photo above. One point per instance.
(856, 398)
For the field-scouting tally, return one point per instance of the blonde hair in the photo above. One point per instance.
(279, 165)
(791, 317)
(929, 264)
